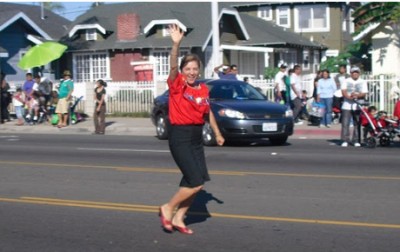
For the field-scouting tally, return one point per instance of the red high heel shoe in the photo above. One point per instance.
(183, 230)
(166, 224)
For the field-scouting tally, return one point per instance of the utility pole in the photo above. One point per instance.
(215, 33)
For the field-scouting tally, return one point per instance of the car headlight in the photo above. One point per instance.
(289, 113)
(231, 113)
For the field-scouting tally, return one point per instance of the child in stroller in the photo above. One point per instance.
(379, 126)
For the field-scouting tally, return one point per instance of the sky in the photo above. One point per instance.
(75, 8)
(72, 9)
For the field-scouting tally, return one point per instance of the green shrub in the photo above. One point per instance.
(270, 72)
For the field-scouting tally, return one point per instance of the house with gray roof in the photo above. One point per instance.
(129, 41)
(21, 27)
(324, 22)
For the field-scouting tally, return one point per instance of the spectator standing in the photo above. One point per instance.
(229, 74)
(188, 105)
(64, 96)
(99, 116)
(5, 100)
(341, 76)
(19, 102)
(353, 88)
(325, 91)
(295, 93)
(316, 79)
(280, 86)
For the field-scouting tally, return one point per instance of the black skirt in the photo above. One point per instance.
(186, 145)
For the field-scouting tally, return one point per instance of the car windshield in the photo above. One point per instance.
(234, 91)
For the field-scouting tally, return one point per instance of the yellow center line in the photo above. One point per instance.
(154, 209)
(213, 172)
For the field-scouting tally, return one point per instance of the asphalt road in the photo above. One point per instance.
(101, 193)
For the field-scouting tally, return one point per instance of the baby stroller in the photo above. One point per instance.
(376, 128)
(337, 106)
(391, 129)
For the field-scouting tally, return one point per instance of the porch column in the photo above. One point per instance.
(215, 34)
(89, 99)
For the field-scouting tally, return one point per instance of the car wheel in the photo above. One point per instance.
(278, 140)
(161, 127)
(208, 135)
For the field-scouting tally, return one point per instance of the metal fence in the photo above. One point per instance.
(121, 97)
(383, 91)
(136, 97)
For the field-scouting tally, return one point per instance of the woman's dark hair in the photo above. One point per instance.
(371, 108)
(326, 71)
(189, 58)
(103, 83)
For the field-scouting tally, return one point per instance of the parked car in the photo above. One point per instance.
(241, 111)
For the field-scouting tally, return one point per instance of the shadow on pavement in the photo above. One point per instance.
(109, 123)
(198, 211)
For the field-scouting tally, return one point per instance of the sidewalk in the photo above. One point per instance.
(144, 127)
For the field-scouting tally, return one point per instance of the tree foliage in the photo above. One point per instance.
(54, 6)
(354, 54)
(375, 12)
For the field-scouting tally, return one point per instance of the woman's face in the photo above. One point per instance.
(98, 84)
(325, 75)
(191, 71)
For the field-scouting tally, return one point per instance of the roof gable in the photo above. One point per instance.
(24, 17)
(51, 26)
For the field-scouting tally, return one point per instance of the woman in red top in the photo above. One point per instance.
(188, 105)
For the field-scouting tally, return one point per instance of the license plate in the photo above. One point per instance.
(270, 127)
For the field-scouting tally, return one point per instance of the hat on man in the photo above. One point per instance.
(67, 73)
(355, 69)
(283, 66)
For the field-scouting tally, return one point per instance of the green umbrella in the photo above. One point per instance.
(42, 54)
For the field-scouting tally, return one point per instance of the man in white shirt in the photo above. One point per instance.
(353, 88)
(295, 93)
(280, 87)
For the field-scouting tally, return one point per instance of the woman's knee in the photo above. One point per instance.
(198, 188)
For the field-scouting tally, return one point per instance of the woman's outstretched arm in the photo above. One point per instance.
(176, 37)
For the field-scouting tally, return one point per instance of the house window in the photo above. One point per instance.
(289, 56)
(351, 23)
(283, 16)
(344, 24)
(91, 34)
(313, 18)
(165, 31)
(265, 12)
(91, 67)
(306, 59)
(162, 63)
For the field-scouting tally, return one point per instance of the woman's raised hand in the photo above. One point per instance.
(176, 33)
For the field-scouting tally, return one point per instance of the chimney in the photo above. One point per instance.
(128, 26)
